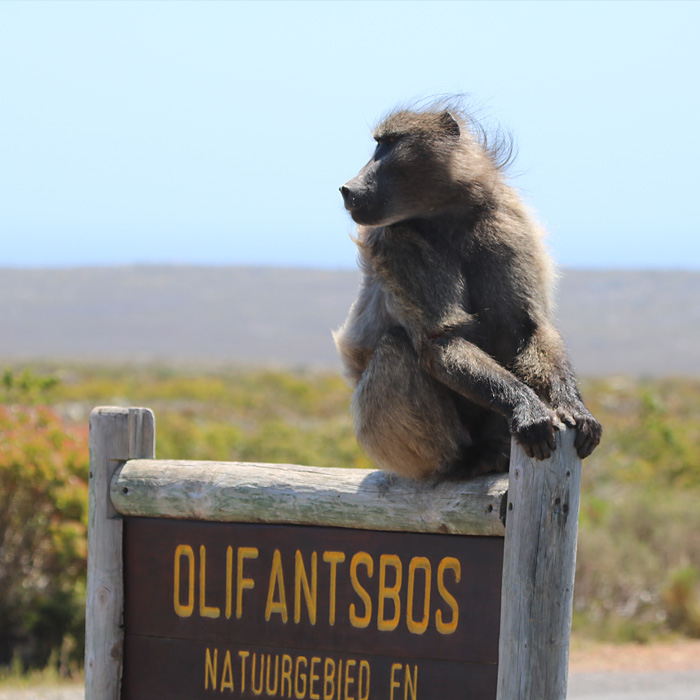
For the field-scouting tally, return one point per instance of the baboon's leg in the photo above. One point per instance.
(490, 449)
(405, 420)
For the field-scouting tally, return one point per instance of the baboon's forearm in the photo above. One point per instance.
(544, 365)
(468, 370)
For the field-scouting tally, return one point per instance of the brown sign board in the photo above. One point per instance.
(283, 611)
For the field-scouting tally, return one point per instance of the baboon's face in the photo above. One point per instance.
(408, 174)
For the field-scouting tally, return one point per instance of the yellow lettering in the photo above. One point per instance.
(204, 609)
(243, 655)
(366, 560)
(183, 610)
(340, 678)
(413, 626)
(272, 690)
(328, 678)
(227, 674)
(393, 682)
(243, 583)
(210, 669)
(286, 675)
(389, 592)
(300, 694)
(411, 683)
(313, 676)
(333, 558)
(349, 680)
(257, 689)
(451, 626)
(229, 581)
(363, 682)
(301, 581)
(276, 582)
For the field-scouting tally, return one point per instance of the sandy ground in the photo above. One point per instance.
(600, 666)
(680, 656)
(64, 692)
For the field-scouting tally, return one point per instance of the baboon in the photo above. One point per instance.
(450, 345)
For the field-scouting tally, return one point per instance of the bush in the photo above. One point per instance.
(43, 521)
(681, 599)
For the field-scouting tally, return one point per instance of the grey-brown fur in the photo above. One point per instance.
(450, 345)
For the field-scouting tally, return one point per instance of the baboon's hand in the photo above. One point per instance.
(588, 429)
(533, 426)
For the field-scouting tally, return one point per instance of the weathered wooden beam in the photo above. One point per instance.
(280, 493)
(538, 573)
(116, 434)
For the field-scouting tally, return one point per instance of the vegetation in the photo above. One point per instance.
(638, 572)
(43, 519)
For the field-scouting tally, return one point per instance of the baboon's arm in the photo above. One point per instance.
(544, 365)
(366, 324)
(468, 370)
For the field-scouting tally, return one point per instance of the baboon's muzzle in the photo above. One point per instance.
(360, 197)
(349, 198)
(356, 204)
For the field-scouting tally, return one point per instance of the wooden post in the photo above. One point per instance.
(538, 573)
(116, 434)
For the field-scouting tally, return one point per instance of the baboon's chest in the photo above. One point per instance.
(424, 282)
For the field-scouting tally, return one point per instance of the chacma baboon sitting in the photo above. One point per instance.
(450, 344)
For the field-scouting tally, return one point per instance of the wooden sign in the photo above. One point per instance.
(243, 580)
(272, 611)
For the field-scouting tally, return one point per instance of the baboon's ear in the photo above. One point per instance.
(449, 124)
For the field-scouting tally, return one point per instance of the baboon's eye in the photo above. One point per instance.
(384, 143)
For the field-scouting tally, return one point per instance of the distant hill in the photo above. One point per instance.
(629, 322)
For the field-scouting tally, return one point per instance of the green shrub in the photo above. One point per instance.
(43, 518)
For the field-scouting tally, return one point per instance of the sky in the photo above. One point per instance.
(218, 133)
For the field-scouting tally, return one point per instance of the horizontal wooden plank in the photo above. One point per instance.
(415, 596)
(172, 669)
(283, 493)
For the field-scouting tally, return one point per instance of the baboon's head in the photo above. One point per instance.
(410, 174)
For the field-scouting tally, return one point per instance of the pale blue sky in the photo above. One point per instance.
(219, 132)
